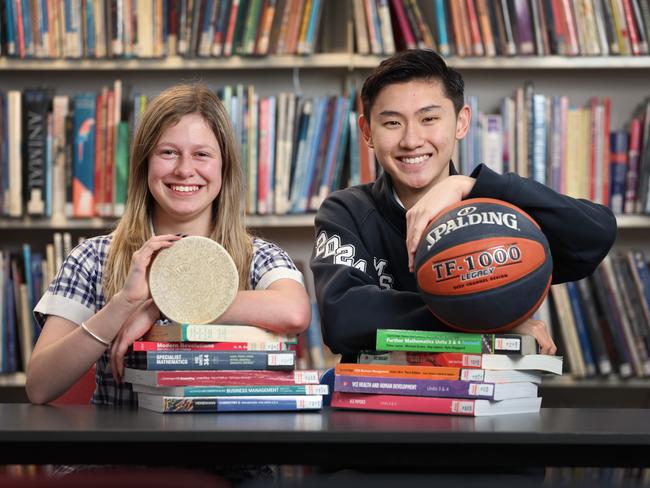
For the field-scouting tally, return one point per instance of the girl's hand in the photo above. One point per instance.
(136, 286)
(539, 330)
(449, 191)
(133, 329)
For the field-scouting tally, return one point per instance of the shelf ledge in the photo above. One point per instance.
(340, 60)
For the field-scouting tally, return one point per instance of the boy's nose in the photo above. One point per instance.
(411, 138)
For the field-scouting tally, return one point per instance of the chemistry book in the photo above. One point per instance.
(165, 404)
(435, 341)
(220, 378)
(211, 360)
(212, 346)
(214, 333)
(540, 362)
(448, 406)
(243, 390)
(434, 388)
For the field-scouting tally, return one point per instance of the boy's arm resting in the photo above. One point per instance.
(580, 233)
(352, 304)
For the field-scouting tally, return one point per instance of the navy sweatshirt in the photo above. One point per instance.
(360, 263)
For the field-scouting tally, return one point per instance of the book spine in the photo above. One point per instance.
(243, 404)
(396, 403)
(222, 378)
(35, 108)
(396, 371)
(212, 346)
(210, 360)
(445, 359)
(632, 175)
(251, 390)
(414, 387)
(224, 333)
(84, 155)
(427, 341)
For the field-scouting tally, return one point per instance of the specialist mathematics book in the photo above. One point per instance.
(215, 360)
(435, 405)
(265, 403)
(435, 341)
(540, 362)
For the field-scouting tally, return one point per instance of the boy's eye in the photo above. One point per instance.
(431, 118)
(391, 123)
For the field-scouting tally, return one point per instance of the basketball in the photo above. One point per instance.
(483, 265)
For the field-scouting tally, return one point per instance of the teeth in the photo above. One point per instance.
(414, 159)
(184, 188)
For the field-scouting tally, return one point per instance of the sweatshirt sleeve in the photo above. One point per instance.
(580, 233)
(351, 300)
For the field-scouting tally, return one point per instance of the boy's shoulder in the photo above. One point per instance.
(352, 196)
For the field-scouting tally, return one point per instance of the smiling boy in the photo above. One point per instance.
(366, 236)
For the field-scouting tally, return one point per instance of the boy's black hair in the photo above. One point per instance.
(413, 64)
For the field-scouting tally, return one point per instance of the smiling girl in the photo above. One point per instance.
(185, 179)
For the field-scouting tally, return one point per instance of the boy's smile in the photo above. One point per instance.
(413, 129)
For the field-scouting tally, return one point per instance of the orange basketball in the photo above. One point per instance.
(483, 265)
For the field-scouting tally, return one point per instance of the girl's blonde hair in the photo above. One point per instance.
(134, 227)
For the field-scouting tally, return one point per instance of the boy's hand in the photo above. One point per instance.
(449, 191)
(539, 330)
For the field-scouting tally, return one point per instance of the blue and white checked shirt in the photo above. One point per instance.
(77, 294)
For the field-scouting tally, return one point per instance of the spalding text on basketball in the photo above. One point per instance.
(465, 218)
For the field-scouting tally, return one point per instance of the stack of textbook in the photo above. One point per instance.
(220, 368)
(446, 373)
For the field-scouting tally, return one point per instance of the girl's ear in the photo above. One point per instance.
(364, 127)
(462, 121)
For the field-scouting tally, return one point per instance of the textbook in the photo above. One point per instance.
(396, 371)
(434, 388)
(435, 341)
(448, 406)
(500, 376)
(165, 404)
(212, 346)
(243, 390)
(214, 333)
(220, 378)
(540, 362)
(211, 360)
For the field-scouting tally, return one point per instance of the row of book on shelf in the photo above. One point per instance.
(143, 29)
(503, 27)
(297, 149)
(602, 322)
(212, 28)
(570, 148)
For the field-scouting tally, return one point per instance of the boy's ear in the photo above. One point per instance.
(364, 127)
(462, 121)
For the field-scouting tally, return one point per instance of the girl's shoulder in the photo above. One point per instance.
(93, 249)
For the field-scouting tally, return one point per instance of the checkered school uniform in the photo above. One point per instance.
(77, 294)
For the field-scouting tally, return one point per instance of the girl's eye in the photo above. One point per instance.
(167, 152)
(203, 155)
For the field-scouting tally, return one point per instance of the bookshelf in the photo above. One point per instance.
(329, 70)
